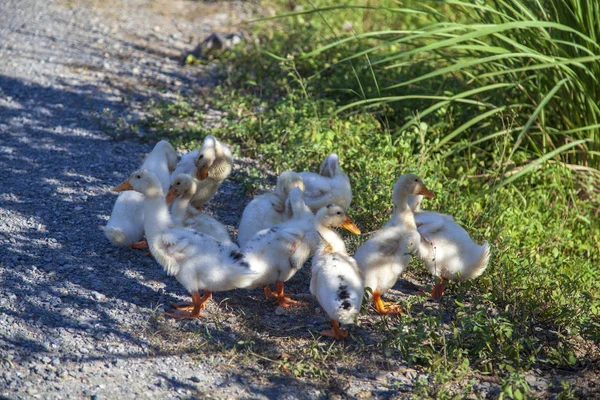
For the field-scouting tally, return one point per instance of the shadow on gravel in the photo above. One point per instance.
(57, 269)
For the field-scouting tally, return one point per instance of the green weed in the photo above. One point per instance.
(438, 91)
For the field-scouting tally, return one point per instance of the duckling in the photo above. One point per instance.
(384, 257)
(447, 249)
(279, 252)
(213, 165)
(330, 186)
(125, 226)
(180, 193)
(336, 281)
(197, 261)
(268, 210)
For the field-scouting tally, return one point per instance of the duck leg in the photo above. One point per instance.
(438, 288)
(384, 307)
(282, 300)
(335, 331)
(187, 310)
(142, 244)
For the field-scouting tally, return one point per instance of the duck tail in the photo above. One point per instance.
(347, 315)
(483, 261)
(245, 279)
(246, 272)
(116, 236)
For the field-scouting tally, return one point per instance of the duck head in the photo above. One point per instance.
(181, 185)
(334, 215)
(142, 181)
(330, 166)
(407, 185)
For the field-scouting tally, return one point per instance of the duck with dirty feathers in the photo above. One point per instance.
(279, 252)
(197, 261)
(180, 194)
(268, 210)
(446, 248)
(126, 224)
(330, 186)
(384, 257)
(336, 280)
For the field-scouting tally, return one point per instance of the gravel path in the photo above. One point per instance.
(75, 312)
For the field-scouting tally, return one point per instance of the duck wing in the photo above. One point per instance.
(315, 185)
(177, 245)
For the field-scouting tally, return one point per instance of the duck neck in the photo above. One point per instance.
(403, 214)
(204, 191)
(297, 206)
(156, 216)
(157, 162)
(179, 208)
(332, 242)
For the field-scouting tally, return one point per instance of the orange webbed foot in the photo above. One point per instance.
(142, 244)
(185, 305)
(286, 302)
(335, 332)
(187, 310)
(384, 307)
(282, 299)
(268, 292)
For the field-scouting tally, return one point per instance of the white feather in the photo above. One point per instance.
(338, 286)
(330, 186)
(126, 223)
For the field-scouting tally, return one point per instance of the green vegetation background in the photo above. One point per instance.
(493, 103)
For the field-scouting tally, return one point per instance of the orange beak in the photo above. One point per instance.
(171, 195)
(202, 174)
(122, 187)
(426, 192)
(351, 226)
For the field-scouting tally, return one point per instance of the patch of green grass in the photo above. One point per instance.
(538, 301)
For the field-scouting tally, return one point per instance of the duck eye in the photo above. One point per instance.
(138, 176)
(201, 156)
(339, 213)
(178, 183)
(417, 180)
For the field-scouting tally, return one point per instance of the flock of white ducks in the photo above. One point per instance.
(279, 231)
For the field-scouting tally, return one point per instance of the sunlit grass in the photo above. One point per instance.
(495, 106)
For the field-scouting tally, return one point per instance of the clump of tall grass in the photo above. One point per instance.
(520, 74)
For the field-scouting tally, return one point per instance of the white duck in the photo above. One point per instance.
(126, 224)
(186, 165)
(336, 280)
(213, 163)
(330, 186)
(446, 248)
(384, 257)
(198, 261)
(268, 210)
(180, 193)
(279, 252)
